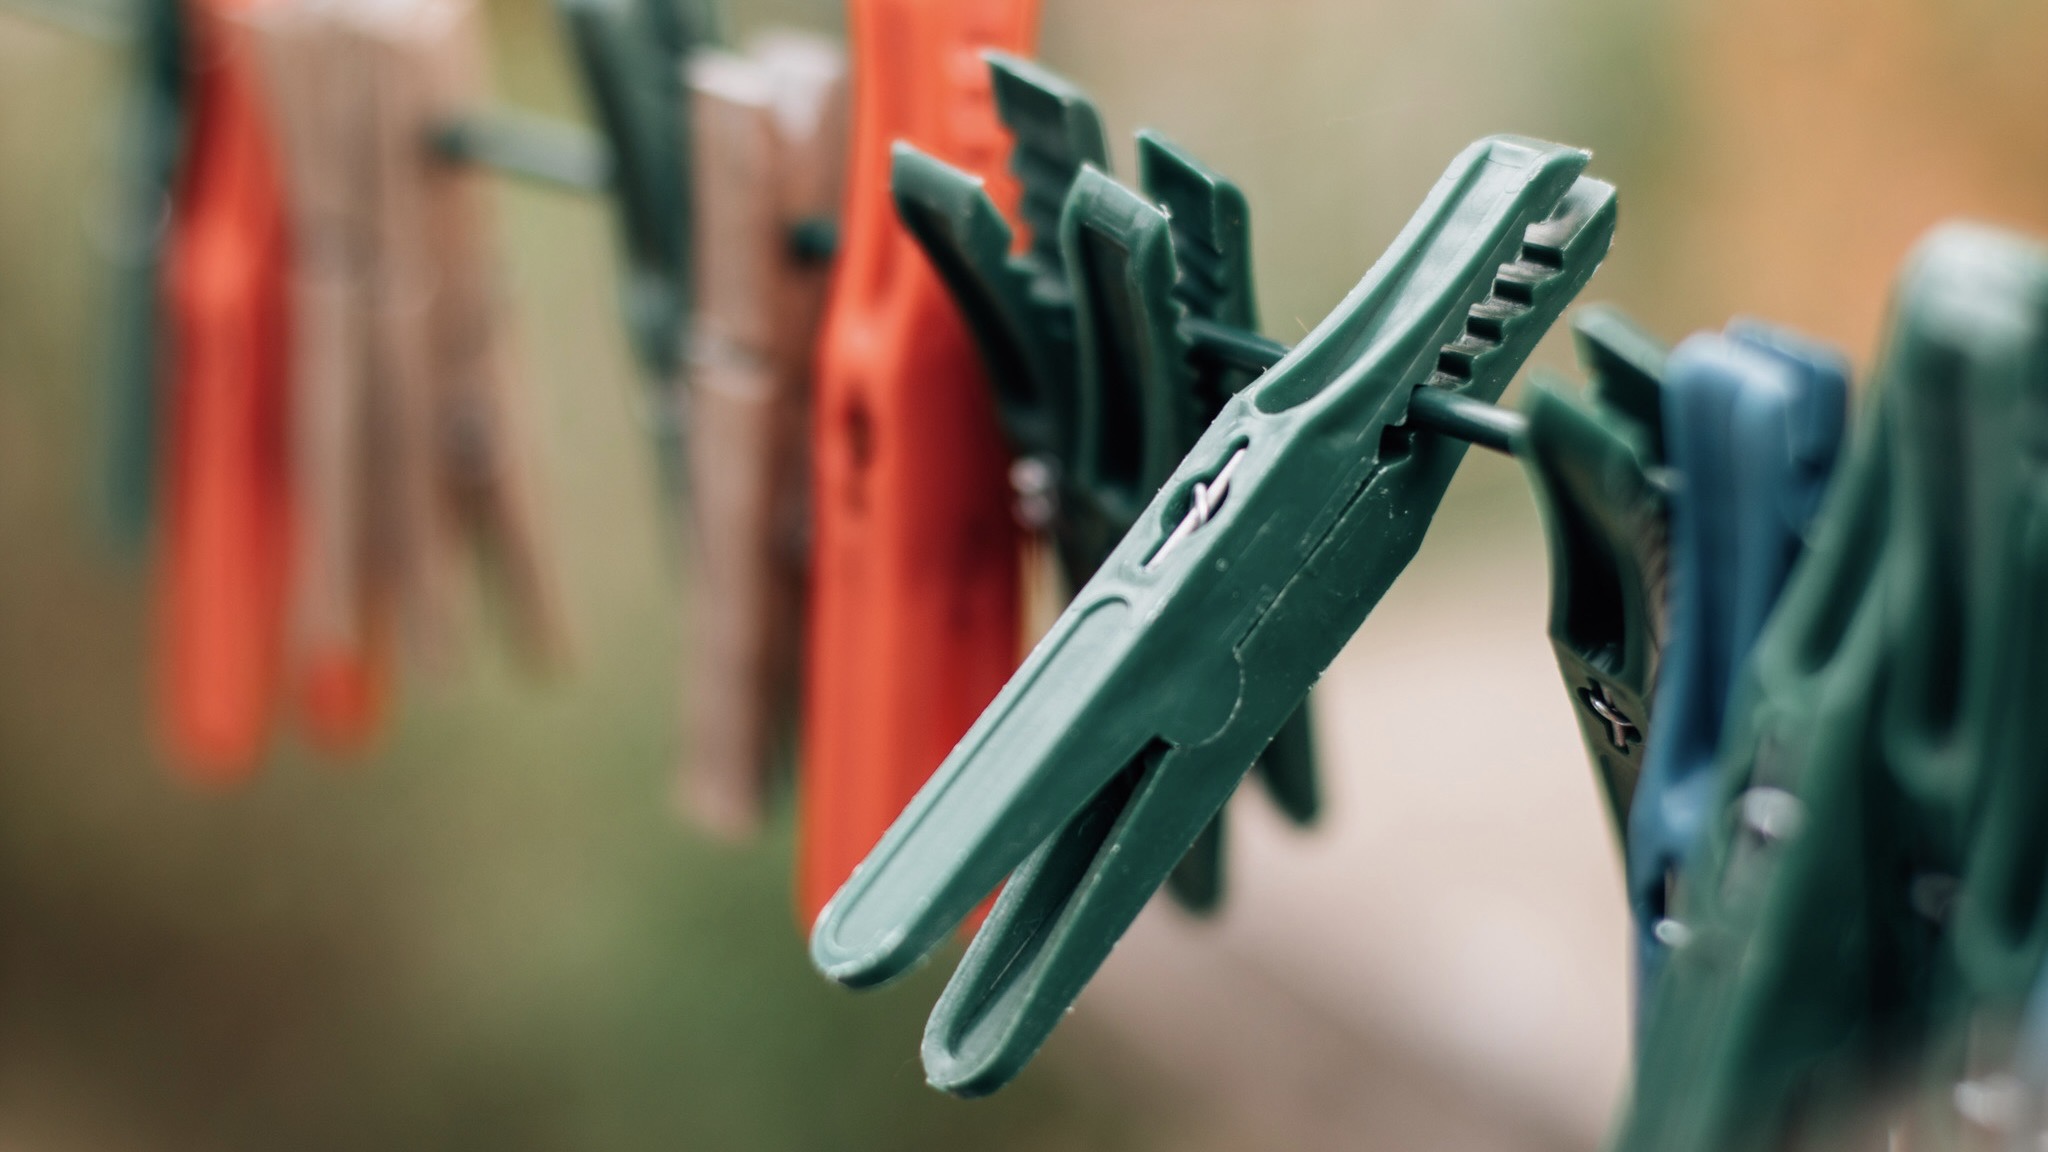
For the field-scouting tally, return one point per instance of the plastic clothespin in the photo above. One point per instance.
(1593, 466)
(448, 428)
(1080, 332)
(913, 620)
(1989, 1003)
(1132, 722)
(1753, 421)
(223, 549)
(769, 138)
(152, 139)
(342, 621)
(632, 56)
(1850, 766)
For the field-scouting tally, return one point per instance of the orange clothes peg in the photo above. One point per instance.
(914, 595)
(224, 555)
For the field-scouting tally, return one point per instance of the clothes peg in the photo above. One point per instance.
(913, 620)
(1986, 1004)
(769, 139)
(152, 139)
(488, 474)
(1018, 302)
(342, 625)
(224, 548)
(449, 426)
(1133, 720)
(1593, 469)
(1753, 421)
(1080, 334)
(1850, 761)
(631, 56)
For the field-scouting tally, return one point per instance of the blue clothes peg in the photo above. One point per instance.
(1753, 422)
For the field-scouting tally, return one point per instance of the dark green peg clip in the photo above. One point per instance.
(1082, 334)
(1594, 465)
(631, 56)
(152, 139)
(1108, 753)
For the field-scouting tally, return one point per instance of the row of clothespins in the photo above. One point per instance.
(316, 415)
(1802, 661)
(1804, 695)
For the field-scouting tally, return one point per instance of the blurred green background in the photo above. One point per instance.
(494, 933)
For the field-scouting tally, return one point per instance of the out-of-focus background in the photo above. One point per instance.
(495, 933)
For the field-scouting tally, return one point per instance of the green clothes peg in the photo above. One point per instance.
(1145, 397)
(1080, 332)
(1018, 305)
(1996, 938)
(1124, 732)
(152, 138)
(1871, 710)
(1592, 467)
(630, 55)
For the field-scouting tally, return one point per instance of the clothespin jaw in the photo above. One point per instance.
(1056, 131)
(632, 75)
(1753, 421)
(964, 235)
(1017, 305)
(1850, 759)
(1591, 466)
(1131, 723)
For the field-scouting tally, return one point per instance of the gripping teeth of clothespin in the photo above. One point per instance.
(1056, 131)
(1516, 285)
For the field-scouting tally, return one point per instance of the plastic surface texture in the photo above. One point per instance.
(1132, 722)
